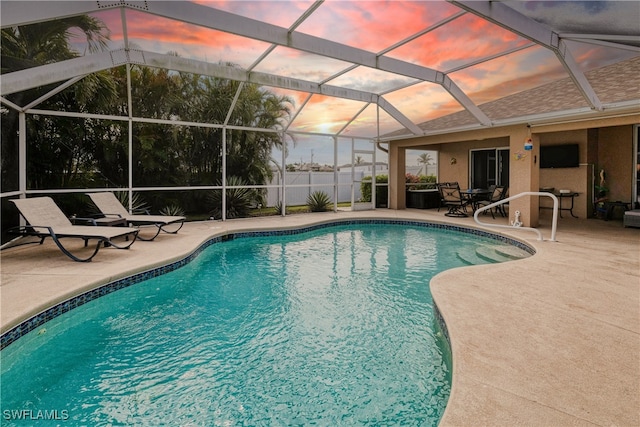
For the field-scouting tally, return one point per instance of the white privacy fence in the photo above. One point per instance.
(299, 185)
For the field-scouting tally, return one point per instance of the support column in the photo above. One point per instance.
(397, 187)
(524, 175)
(22, 155)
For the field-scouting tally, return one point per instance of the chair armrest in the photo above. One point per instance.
(82, 221)
(29, 230)
(111, 215)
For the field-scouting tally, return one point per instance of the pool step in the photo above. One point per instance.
(491, 254)
(511, 252)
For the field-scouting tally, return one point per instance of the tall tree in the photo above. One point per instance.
(39, 44)
(425, 159)
(72, 152)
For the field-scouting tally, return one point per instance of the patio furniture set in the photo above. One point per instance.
(45, 219)
(457, 201)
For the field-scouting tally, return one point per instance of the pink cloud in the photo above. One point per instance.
(326, 114)
(461, 41)
(509, 74)
(280, 13)
(149, 27)
(373, 25)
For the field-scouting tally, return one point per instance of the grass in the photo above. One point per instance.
(267, 211)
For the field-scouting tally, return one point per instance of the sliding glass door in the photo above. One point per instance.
(489, 167)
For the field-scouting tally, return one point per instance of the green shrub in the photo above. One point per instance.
(318, 201)
(420, 182)
(238, 200)
(278, 208)
(137, 202)
(172, 210)
(381, 191)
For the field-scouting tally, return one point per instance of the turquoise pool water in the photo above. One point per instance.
(329, 327)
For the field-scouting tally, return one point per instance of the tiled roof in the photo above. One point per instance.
(613, 83)
(618, 82)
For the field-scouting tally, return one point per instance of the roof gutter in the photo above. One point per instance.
(610, 111)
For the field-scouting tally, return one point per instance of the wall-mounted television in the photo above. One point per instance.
(559, 156)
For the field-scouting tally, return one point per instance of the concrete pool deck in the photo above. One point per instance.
(551, 340)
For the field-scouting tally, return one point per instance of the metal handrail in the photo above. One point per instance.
(554, 224)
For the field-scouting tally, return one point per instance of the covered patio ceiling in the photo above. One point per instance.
(364, 69)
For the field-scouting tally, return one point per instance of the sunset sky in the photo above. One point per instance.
(375, 26)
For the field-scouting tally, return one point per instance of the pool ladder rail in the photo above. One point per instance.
(517, 224)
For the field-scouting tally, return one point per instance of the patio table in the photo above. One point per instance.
(474, 195)
(571, 195)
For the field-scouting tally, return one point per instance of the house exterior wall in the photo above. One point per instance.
(606, 141)
(574, 179)
(524, 176)
(615, 155)
(397, 180)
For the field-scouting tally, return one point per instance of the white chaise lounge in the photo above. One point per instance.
(45, 219)
(110, 206)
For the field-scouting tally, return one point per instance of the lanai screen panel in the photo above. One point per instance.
(112, 21)
(370, 123)
(295, 104)
(287, 62)
(310, 149)
(373, 25)
(458, 43)
(280, 13)
(434, 102)
(163, 35)
(326, 115)
(476, 55)
(509, 74)
(615, 20)
(590, 56)
(371, 80)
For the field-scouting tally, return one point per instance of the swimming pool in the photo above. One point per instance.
(333, 326)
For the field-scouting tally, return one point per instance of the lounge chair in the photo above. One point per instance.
(110, 206)
(45, 219)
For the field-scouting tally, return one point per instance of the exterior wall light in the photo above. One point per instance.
(528, 142)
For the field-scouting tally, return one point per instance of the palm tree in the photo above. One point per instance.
(39, 44)
(425, 159)
(48, 42)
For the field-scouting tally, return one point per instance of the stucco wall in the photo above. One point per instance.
(615, 155)
(573, 179)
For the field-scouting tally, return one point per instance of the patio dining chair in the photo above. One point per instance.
(110, 206)
(499, 193)
(439, 186)
(454, 201)
(45, 219)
